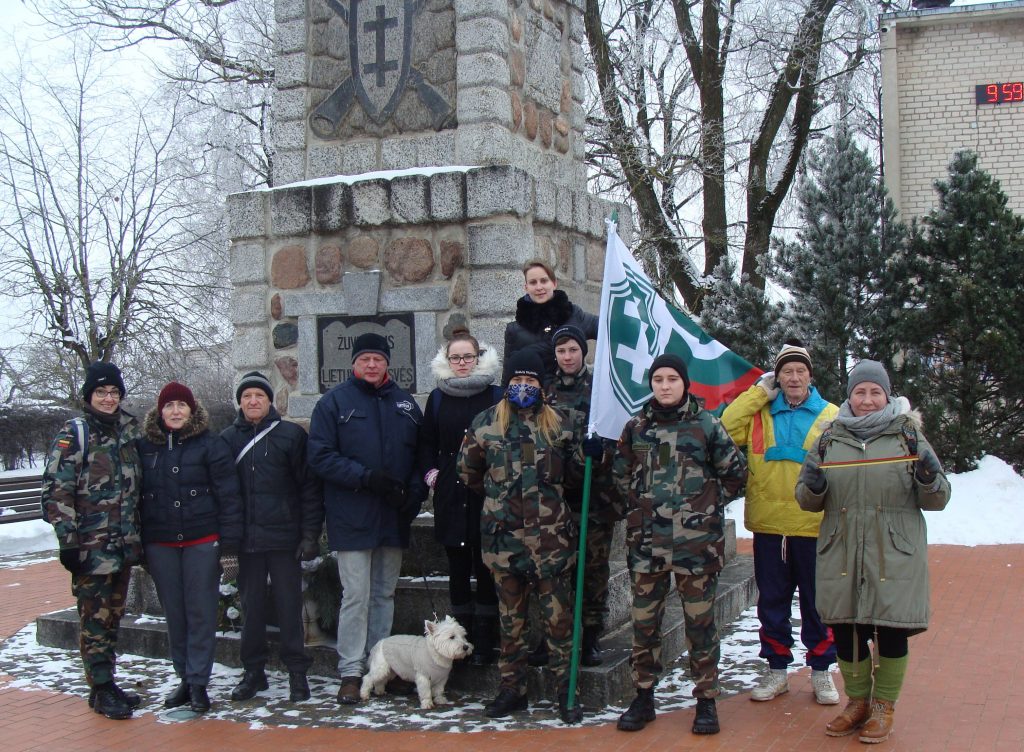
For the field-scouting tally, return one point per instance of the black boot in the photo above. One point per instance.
(107, 701)
(298, 686)
(706, 720)
(484, 629)
(180, 696)
(590, 650)
(253, 681)
(567, 714)
(507, 702)
(199, 701)
(131, 698)
(640, 711)
(539, 655)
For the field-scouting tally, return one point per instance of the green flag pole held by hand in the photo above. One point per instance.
(581, 560)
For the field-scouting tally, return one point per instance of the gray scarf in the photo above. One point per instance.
(465, 386)
(870, 425)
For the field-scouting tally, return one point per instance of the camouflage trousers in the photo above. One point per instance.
(554, 596)
(101, 599)
(596, 572)
(697, 592)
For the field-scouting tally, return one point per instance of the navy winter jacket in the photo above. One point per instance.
(355, 429)
(189, 486)
(281, 497)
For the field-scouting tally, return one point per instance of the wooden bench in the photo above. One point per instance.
(23, 495)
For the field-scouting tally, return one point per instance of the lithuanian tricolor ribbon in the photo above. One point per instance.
(862, 463)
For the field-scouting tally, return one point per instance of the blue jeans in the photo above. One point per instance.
(368, 580)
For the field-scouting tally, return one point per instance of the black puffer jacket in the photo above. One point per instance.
(445, 419)
(189, 484)
(282, 499)
(536, 322)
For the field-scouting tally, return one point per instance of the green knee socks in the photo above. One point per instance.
(889, 678)
(856, 678)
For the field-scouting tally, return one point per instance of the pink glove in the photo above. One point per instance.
(430, 478)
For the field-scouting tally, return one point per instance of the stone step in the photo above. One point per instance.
(608, 684)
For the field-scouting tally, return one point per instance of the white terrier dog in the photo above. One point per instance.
(425, 660)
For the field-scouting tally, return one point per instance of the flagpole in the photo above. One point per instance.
(577, 611)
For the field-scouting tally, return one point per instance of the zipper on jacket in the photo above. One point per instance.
(881, 544)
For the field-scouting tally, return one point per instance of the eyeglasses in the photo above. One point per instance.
(108, 393)
(453, 359)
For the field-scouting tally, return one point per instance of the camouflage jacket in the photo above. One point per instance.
(98, 512)
(526, 527)
(573, 392)
(678, 467)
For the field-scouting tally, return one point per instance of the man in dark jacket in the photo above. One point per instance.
(283, 515)
(362, 443)
(92, 473)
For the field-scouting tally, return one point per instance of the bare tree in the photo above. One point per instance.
(716, 101)
(104, 236)
(217, 53)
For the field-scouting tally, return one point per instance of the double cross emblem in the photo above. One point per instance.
(380, 51)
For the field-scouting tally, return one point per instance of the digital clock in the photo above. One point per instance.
(999, 93)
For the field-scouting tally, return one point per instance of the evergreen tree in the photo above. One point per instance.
(964, 333)
(837, 270)
(739, 316)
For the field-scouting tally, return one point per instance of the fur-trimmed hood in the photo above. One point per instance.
(535, 317)
(197, 424)
(488, 364)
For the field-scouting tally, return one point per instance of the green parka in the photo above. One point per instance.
(872, 564)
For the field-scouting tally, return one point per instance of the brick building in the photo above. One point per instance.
(933, 62)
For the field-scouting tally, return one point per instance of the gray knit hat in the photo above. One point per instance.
(869, 370)
(254, 380)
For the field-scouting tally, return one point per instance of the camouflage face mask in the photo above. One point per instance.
(522, 395)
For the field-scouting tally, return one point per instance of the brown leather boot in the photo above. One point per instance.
(879, 726)
(854, 715)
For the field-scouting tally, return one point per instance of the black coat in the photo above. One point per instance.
(189, 484)
(445, 420)
(281, 498)
(536, 322)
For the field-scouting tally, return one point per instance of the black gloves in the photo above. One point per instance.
(390, 490)
(928, 466)
(308, 550)
(593, 447)
(69, 559)
(813, 477)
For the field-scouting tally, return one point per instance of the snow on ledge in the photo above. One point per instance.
(378, 175)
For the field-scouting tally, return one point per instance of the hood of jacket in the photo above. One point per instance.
(197, 424)
(536, 316)
(487, 365)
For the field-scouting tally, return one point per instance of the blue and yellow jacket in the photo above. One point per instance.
(777, 437)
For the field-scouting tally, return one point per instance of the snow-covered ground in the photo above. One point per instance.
(986, 508)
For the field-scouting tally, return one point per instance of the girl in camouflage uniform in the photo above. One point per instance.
(678, 466)
(516, 454)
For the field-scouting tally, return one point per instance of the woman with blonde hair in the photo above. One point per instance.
(518, 454)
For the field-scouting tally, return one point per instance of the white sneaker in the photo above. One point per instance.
(774, 682)
(824, 689)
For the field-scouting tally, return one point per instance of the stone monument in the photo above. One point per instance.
(424, 149)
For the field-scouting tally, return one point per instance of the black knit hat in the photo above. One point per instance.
(570, 332)
(254, 380)
(101, 374)
(371, 343)
(793, 351)
(667, 360)
(525, 363)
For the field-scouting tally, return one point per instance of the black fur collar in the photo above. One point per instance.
(535, 317)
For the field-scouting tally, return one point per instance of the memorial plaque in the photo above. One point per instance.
(337, 334)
